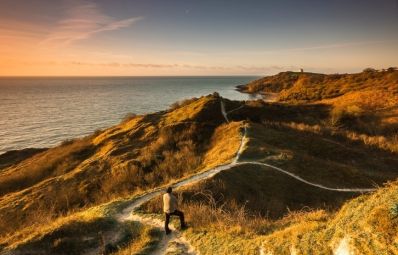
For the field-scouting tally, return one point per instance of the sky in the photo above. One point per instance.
(195, 37)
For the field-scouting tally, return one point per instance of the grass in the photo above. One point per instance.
(49, 196)
(49, 163)
(248, 208)
(364, 102)
(70, 233)
(295, 86)
(16, 156)
(139, 154)
(320, 159)
(380, 143)
(367, 222)
(144, 244)
(79, 232)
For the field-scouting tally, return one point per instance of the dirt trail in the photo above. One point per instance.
(344, 247)
(176, 238)
(303, 180)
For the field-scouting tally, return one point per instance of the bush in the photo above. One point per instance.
(128, 116)
(369, 70)
(394, 210)
(345, 115)
(182, 103)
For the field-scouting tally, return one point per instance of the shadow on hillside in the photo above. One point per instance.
(15, 156)
(256, 191)
(258, 111)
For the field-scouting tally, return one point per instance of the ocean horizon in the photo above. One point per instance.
(39, 112)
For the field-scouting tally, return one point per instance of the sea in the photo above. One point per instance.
(42, 112)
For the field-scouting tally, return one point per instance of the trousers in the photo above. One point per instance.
(176, 213)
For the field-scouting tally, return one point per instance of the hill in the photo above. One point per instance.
(311, 87)
(139, 154)
(364, 102)
(248, 174)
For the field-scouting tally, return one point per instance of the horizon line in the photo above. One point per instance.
(121, 76)
(211, 75)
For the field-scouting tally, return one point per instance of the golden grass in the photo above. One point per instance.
(145, 242)
(221, 225)
(224, 144)
(16, 156)
(365, 102)
(82, 231)
(205, 108)
(44, 225)
(236, 212)
(137, 155)
(385, 143)
(367, 222)
(329, 160)
(50, 163)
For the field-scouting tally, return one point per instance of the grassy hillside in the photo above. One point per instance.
(137, 155)
(250, 208)
(264, 191)
(365, 102)
(59, 199)
(309, 87)
(365, 225)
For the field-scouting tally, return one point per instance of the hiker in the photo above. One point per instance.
(170, 208)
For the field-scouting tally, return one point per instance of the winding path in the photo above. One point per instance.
(129, 213)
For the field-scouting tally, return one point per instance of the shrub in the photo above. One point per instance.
(182, 103)
(369, 70)
(394, 210)
(128, 116)
(345, 115)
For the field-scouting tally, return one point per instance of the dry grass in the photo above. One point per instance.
(47, 227)
(80, 232)
(144, 242)
(329, 160)
(305, 87)
(206, 109)
(368, 223)
(16, 156)
(50, 163)
(247, 192)
(365, 102)
(388, 144)
(271, 84)
(224, 144)
(134, 156)
(237, 211)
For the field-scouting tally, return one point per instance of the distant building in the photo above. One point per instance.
(302, 70)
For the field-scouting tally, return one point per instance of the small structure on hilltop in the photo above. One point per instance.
(301, 70)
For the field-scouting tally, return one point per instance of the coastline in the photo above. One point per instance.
(12, 157)
(97, 104)
(266, 96)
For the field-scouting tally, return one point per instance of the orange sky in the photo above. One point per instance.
(83, 37)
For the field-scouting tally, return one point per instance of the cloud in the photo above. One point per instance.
(323, 47)
(82, 21)
(244, 68)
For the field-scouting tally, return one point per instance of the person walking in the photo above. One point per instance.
(170, 205)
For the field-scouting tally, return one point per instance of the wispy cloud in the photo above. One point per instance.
(243, 68)
(83, 20)
(323, 47)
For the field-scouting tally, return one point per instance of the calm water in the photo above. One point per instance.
(42, 112)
